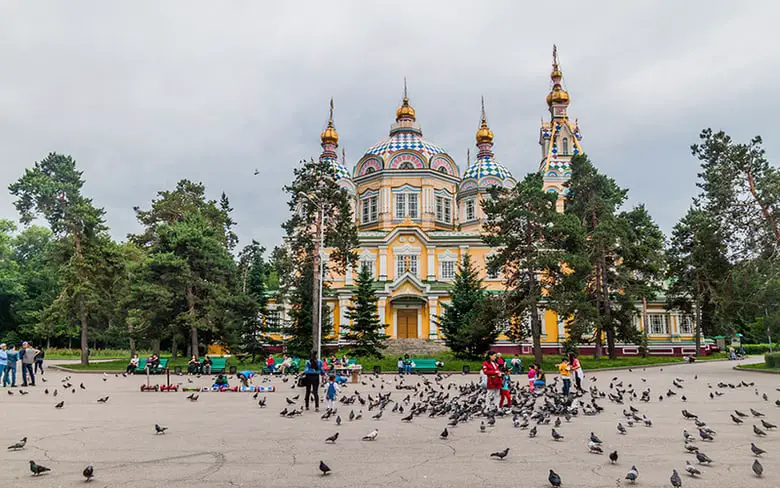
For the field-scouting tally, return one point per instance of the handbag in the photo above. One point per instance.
(301, 381)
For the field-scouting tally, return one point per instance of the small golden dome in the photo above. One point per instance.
(329, 135)
(558, 96)
(405, 110)
(484, 134)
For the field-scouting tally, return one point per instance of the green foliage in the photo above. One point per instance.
(569, 345)
(643, 345)
(254, 272)
(366, 331)
(772, 360)
(471, 321)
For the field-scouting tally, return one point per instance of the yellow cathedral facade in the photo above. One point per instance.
(418, 213)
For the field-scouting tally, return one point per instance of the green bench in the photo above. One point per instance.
(218, 365)
(424, 365)
(294, 368)
(159, 369)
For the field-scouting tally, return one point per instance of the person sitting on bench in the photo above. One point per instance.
(133, 364)
(205, 366)
(270, 363)
(193, 366)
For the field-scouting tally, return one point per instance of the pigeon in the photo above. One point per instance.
(444, 434)
(332, 439)
(532, 432)
(194, 398)
(594, 448)
(482, 426)
(371, 436)
(620, 428)
(633, 474)
(736, 420)
(261, 402)
(324, 468)
(10, 392)
(613, 457)
(689, 415)
(89, 472)
(555, 435)
(18, 445)
(756, 450)
(103, 400)
(289, 402)
(60, 405)
(338, 419)
(159, 430)
(702, 458)
(594, 439)
(758, 468)
(500, 454)
(756, 413)
(82, 386)
(37, 468)
(377, 416)
(408, 418)
(740, 414)
(675, 479)
(758, 431)
(554, 479)
(691, 469)
(767, 425)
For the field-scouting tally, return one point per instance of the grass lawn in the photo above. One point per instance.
(759, 366)
(389, 364)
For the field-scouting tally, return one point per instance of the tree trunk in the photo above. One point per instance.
(697, 320)
(48, 342)
(132, 346)
(316, 305)
(611, 343)
(156, 346)
(84, 343)
(597, 342)
(193, 329)
(536, 333)
(174, 348)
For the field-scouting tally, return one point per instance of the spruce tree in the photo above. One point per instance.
(470, 322)
(366, 330)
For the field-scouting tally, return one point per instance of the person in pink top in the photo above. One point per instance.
(576, 370)
(532, 377)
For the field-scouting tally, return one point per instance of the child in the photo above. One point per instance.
(330, 392)
(221, 382)
(532, 377)
(506, 386)
(401, 366)
(565, 371)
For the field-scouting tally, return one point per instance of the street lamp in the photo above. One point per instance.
(319, 251)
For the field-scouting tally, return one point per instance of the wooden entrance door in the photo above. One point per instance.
(407, 323)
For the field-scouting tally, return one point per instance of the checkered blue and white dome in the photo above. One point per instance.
(339, 170)
(404, 140)
(487, 166)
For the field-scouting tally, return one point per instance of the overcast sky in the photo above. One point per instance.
(145, 93)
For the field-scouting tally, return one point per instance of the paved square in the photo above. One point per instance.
(226, 440)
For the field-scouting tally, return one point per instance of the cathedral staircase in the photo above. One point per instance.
(413, 347)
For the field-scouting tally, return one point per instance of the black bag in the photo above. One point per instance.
(301, 380)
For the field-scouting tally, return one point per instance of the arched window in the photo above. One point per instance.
(406, 165)
(443, 169)
(369, 170)
(565, 146)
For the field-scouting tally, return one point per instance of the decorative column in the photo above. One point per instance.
(382, 263)
(380, 309)
(348, 275)
(343, 320)
(431, 263)
(561, 328)
(433, 314)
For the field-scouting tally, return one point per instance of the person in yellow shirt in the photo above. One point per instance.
(564, 369)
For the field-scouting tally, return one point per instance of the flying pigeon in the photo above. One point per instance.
(500, 454)
(89, 472)
(758, 468)
(18, 445)
(554, 479)
(332, 439)
(324, 468)
(159, 430)
(613, 457)
(675, 479)
(632, 475)
(371, 436)
(37, 468)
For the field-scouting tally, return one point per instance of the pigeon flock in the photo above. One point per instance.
(452, 407)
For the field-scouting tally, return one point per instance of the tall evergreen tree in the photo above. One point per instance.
(254, 273)
(366, 331)
(470, 321)
(531, 238)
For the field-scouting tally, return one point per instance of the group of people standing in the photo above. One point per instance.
(498, 383)
(313, 369)
(32, 362)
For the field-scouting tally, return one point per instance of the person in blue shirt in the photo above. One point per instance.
(9, 375)
(3, 361)
(312, 372)
(506, 390)
(246, 377)
(330, 393)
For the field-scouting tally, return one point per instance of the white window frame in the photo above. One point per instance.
(401, 262)
(448, 261)
(688, 320)
(406, 203)
(470, 203)
(657, 324)
(368, 263)
(369, 209)
(443, 207)
(565, 146)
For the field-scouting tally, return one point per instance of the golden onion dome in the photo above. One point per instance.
(557, 96)
(329, 135)
(405, 110)
(484, 134)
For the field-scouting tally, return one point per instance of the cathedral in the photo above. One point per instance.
(418, 213)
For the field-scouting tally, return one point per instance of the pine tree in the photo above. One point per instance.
(470, 322)
(366, 331)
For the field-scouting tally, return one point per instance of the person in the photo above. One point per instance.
(286, 364)
(205, 368)
(270, 363)
(3, 361)
(153, 361)
(312, 371)
(531, 377)
(194, 365)
(541, 379)
(39, 360)
(133, 364)
(330, 393)
(500, 361)
(401, 365)
(407, 364)
(9, 379)
(246, 377)
(517, 364)
(28, 361)
(221, 382)
(506, 387)
(576, 369)
(565, 371)
(493, 374)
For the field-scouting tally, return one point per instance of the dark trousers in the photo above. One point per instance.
(38, 365)
(578, 382)
(313, 388)
(566, 386)
(27, 368)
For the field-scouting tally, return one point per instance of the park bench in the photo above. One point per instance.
(159, 369)
(424, 365)
(218, 365)
(141, 366)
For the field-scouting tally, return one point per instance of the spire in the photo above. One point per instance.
(329, 135)
(405, 111)
(484, 134)
(557, 95)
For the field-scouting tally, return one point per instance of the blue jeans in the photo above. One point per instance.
(27, 368)
(38, 365)
(566, 385)
(9, 375)
(408, 368)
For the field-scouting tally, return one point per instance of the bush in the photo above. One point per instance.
(570, 345)
(772, 360)
(754, 348)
